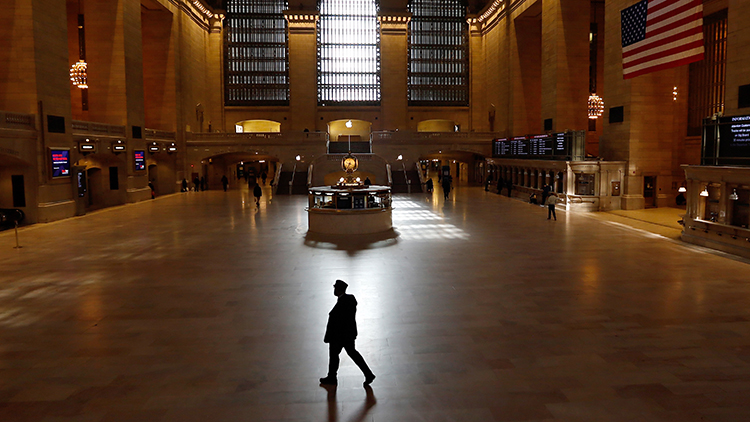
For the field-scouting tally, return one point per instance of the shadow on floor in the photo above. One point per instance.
(352, 243)
(360, 415)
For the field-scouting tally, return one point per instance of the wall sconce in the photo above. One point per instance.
(400, 157)
(298, 158)
(674, 94)
(733, 196)
(704, 192)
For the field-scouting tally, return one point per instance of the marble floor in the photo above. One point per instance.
(200, 307)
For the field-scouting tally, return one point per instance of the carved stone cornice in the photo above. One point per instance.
(301, 21)
(394, 23)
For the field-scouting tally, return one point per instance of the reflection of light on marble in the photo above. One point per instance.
(418, 215)
(405, 204)
(408, 218)
(431, 232)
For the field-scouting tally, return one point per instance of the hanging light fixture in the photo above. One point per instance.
(733, 196)
(78, 74)
(682, 189)
(704, 192)
(596, 106)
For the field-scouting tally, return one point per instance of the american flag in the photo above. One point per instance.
(660, 34)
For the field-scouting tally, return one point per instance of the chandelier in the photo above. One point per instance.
(596, 106)
(78, 74)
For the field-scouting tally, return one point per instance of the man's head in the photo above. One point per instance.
(339, 288)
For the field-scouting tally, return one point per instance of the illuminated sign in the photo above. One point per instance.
(87, 147)
(549, 146)
(172, 149)
(140, 160)
(118, 147)
(60, 162)
(154, 148)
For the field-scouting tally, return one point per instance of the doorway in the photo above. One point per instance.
(649, 191)
(94, 179)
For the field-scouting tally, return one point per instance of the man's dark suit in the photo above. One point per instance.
(341, 332)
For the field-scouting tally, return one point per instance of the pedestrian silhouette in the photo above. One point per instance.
(341, 332)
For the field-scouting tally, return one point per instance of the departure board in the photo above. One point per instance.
(557, 146)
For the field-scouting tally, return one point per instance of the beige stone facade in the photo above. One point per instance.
(156, 79)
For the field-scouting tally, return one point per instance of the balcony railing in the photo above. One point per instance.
(10, 120)
(376, 137)
(97, 129)
(159, 134)
(256, 137)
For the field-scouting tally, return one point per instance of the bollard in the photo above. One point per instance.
(17, 245)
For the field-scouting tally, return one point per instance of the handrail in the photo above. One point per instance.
(309, 175)
(388, 172)
(275, 181)
(406, 178)
(291, 181)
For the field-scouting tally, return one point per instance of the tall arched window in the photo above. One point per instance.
(348, 52)
(256, 57)
(438, 53)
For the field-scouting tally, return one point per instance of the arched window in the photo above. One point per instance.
(348, 52)
(438, 53)
(256, 56)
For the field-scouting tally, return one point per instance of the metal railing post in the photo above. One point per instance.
(17, 245)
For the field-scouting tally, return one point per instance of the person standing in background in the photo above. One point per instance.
(224, 182)
(551, 201)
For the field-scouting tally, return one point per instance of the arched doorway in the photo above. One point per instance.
(242, 169)
(257, 126)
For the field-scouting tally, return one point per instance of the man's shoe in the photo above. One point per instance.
(330, 381)
(369, 379)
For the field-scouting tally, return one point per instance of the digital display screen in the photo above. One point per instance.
(734, 134)
(60, 162)
(555, 145)
(140, 160)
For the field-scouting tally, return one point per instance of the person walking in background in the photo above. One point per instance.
(224, 182)
(447, 180)
(153, 189)
(550, 202)
(510, 187)
(184, 185)
(341, 332)
(263, 177)
(500, 185)
(197, 183)
(257, 193)
(429, 185)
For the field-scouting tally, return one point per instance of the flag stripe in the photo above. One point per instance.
(635, 61)
(663, 66)
(663, 39)
(658, 13)
(677, 20)
(677, 26)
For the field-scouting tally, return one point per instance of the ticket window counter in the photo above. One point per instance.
(347, 201)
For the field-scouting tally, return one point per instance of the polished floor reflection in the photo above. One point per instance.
(200, 307)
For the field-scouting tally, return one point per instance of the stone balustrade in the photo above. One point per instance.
(11, 120)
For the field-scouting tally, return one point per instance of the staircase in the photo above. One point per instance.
(399, 182)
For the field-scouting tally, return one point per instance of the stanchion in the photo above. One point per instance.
(17, 245)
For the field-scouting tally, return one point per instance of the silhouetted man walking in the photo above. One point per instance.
(341, 332)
